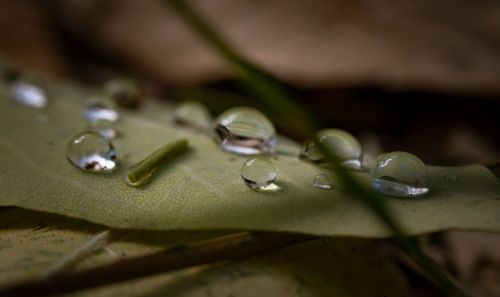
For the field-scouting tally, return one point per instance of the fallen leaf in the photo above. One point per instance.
(31, 241)
(202, 189)
(312, 44)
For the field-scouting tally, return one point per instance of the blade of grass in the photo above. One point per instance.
(205, 252)
(433, 271)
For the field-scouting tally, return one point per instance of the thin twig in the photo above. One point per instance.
(63, 265)
(204, 252)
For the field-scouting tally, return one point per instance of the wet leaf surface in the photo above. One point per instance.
(202, 189)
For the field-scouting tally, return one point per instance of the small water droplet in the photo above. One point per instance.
(104, 127)
(400, 174)
(193, 114)
(245, 131)
(28, 94)
(124, 91)
(322, 181)
(258, 173)
(100, 108)
(341, 143)
(90, 151)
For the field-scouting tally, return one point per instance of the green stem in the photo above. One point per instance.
(141, 172)
(432, 270)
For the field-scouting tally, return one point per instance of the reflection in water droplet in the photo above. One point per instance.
(322, 181)
(258, 173)
(104, 127)
(341, 143)
(28, 94)
(246, 131)
(100, 108)
(400, 174)
(90, 151)
(193, 114)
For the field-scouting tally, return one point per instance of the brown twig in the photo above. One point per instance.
(204, 252)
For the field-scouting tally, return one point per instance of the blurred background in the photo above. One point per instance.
(419, 76)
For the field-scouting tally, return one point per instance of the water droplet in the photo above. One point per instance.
(258, 173)
(125, 91)
(341, 143)
(400, 174)
(246, 131)
(90, 151)
(104, 127)
(100, 108)
(193, 114)
(28, 94)
(322, 181)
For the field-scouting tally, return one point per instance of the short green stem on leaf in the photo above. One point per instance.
(141, 172)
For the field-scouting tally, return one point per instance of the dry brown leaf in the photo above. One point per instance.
(451, 45)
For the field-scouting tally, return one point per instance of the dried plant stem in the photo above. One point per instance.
(204, 252)
(96, 243)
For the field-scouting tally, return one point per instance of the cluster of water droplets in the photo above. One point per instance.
(239, 130)
(92, 149)
(246, 131)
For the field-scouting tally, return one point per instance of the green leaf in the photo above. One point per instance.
(32, 241)
(202, 189)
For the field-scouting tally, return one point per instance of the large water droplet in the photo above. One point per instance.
(245, 131)
(342, 144)
(100, 108)
(193, 114)
(258, 173)
(400, 174)
(28, 94)
(90, 151)
(322, 181)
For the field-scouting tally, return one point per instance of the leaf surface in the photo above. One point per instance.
(202, 189)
